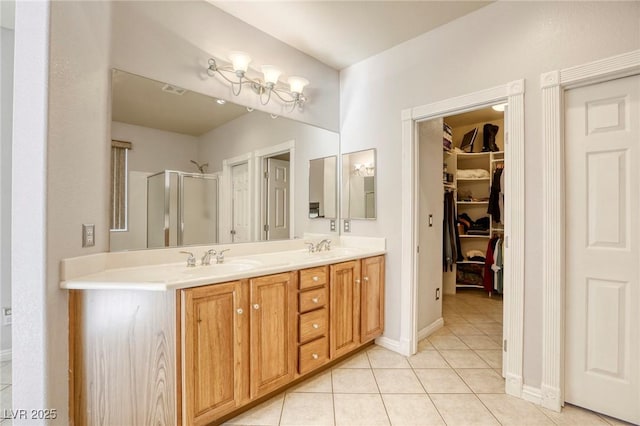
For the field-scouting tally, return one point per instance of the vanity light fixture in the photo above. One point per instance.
(235, 74)
(364, 169)
(221, 101)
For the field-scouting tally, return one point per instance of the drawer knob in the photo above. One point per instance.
(315, 326)
(314, 356)
(366, 279)
(315, 300)
(239, 311)
(315, 278)
(256, 306)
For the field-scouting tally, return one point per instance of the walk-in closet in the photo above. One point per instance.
(461, 163)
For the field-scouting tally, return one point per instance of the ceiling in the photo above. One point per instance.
(142, 102)
(341, 33)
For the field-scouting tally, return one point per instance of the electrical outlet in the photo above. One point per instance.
(332, 225)
(346, 227)
(438, 293)
(88, 235)
(6, 316)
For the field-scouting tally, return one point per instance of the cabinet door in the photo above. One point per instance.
(344, 307)
(273, 332)
(372, 298)
(213, 372)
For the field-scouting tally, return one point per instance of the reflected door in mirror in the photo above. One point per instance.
(240, 203)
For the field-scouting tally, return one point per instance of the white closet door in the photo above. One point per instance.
(602, 358)
(277, 199)
(240, 203)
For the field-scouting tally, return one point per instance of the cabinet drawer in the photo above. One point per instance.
(313, 299)
(313, 277)
(313, 354)
(313, 324)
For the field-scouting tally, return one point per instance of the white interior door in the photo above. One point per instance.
(277, 199)
(240, 203)
(602, 359)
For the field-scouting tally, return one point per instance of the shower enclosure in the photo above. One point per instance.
(182, 209)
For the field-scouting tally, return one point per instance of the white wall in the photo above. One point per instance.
(255, 131)
(156, 150)
(172, 40)
(6, 129)
(499, 43)
(78, 158)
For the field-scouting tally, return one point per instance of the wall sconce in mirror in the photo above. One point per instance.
(323, 187)
(359, 185)
(235, 74)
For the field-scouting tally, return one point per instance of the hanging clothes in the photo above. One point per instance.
(451, 251)
(494, 197)
(497, 267)
(488, 263)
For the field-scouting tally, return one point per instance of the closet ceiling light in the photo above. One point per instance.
(499, 107)
(235, 75)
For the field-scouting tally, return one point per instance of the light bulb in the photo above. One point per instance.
(297, 84)
(240, 62)
(271, 75)
(499, 107)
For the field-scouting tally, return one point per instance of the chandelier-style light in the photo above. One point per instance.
(235, 74)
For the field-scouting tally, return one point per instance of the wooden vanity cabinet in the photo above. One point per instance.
(313, 319)
(273, 338)
(371, 298)
(344, 291)
(215, 351)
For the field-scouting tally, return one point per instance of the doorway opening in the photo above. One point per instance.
(461, 232)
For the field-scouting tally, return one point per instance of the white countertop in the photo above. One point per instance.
(142, 270)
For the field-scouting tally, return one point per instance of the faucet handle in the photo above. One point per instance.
(220, 256)
(191, 260)
(311, 246)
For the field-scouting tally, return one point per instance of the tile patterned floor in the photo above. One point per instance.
(454, 379)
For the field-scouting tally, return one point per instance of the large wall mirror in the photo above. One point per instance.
(323, 187)
(189, 169)
(359, 185)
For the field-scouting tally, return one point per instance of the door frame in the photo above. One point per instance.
(553, 85)
(226, 219)
(511, 93)
(260, 156)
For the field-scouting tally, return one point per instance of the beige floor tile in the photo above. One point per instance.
(463, 359)
(478, 318)
(266, 414)
(358, 409)
(318, 384)
(428, 359)
(465, 330)
(616, 422)
(442, 331)
(391, 380)
(482, 380)
(358, 360)
(572, 415)
(451, 319)
(411, 410)
(463, 410)
(480, 342)
(307, 409)
(496, 338)
(5, 373)
(447, 342)
(514, 411)
(354, 380)
(383, 358)
(441, 380)
(490, 329)
(5, 398)
(491, 357)
(425, 345)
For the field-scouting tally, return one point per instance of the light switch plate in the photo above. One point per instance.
(88, 235)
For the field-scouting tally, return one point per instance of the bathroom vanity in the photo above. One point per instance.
(153, 341)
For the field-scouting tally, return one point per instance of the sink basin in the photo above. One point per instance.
(230, 266)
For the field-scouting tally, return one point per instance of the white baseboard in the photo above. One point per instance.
(387, 343)
(532, 394)
(5, 355)
(428, 330)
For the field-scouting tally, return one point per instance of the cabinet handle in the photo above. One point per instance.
(256, 306)
(314, 356)
(357, 280)
(315, 300)
(315, 326)
(239, 311)
(315, 278)
(366, 279)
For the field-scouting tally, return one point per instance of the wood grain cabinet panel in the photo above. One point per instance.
(313, 299)
(372, 298)
(313, 277)
(344, 306)
(313, 324)
(213, 374)
(273, 332)
(313, 355)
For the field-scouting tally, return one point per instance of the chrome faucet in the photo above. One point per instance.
(324, 245)
(311, 247)
(220, 256)
(191, 260)
(206, 258)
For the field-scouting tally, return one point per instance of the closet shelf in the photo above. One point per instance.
(472, 154)
(468, 286)
(473, 179)
(470, 262)
(473, 202)
(475, 236)
(498, 160)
